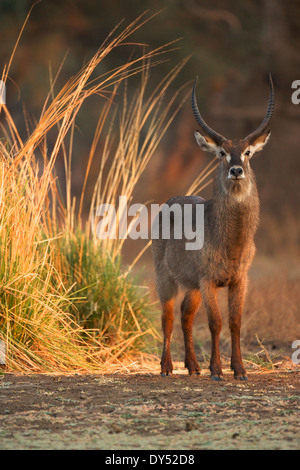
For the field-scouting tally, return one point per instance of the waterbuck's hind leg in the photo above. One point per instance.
(236, 297)
(167, 290)
(189, 308)
(167, 326)
(208, 291)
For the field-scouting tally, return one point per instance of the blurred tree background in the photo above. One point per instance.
(233, 45)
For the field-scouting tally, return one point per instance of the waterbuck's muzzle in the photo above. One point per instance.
(236, 172)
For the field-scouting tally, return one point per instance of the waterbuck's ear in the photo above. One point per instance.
(258, 144)
(206, 143)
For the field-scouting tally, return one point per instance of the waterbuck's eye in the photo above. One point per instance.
(247, 153)
(222, 153)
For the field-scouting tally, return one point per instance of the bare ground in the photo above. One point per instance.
(145, 411)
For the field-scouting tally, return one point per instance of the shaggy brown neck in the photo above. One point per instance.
(234, 217)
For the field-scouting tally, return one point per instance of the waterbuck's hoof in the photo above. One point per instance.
(243, 378)
(217, 378)
(165, 374)
(166, 365)
(194, 372)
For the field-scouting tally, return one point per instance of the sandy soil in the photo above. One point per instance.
(145, 411)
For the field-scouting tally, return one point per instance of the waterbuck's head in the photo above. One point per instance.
(234, 155)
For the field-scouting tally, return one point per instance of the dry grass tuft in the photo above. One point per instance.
(65, 303)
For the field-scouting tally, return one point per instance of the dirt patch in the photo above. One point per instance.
(145, 411)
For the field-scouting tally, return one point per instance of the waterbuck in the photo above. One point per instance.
(230, 222)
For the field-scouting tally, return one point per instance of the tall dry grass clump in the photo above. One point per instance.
(65, 303)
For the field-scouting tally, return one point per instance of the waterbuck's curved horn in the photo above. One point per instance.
(266, 121)
(218, 138)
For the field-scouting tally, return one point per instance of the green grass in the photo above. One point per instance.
(107, 302)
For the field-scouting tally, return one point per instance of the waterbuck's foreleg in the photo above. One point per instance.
(167, 326)
(236, 298)
(189, 308)
(209, 296)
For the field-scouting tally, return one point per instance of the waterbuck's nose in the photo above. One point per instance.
(236, 172)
